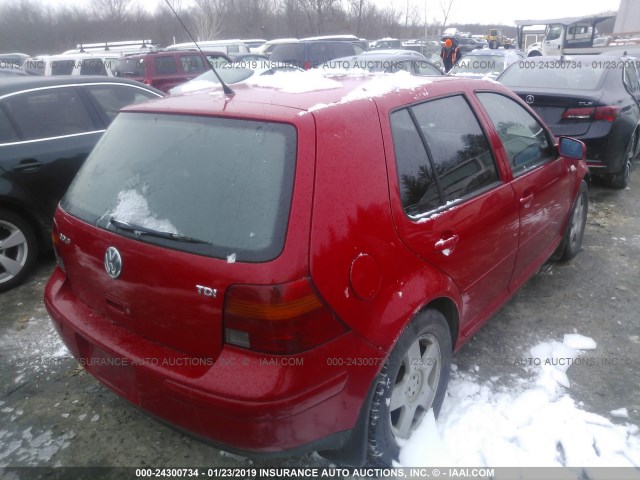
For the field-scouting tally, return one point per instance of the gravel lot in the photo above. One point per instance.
(52, 414)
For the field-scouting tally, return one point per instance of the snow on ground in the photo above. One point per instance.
(534, 423)
(34, 348)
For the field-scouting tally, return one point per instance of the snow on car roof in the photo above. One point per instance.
(306, 91)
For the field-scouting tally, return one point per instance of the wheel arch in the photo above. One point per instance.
(39, 229)
(449, 310)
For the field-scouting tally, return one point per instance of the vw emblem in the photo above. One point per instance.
(529, 99)
(113, 262)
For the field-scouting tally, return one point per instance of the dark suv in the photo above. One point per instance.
(165, 70)
(287, 272)
(313, 53)
(48, 126)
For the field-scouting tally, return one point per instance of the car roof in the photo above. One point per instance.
(310, 91)
(495, 52)
(17, 83)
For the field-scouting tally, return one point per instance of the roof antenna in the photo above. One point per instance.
(225, 88)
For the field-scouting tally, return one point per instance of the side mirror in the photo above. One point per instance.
(572, 148)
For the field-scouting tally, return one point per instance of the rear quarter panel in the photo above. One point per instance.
(352, 219)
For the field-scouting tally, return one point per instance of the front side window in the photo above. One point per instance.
(53, 112)
(442, 154)
(208, 186)
(525, 141)
(554, 32)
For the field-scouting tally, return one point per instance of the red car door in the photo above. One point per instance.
(542, 181)
(454, 210)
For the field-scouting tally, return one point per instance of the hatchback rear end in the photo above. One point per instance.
(183, 278)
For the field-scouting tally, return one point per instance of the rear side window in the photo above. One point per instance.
(93, 66)
(112, 98)
(631, 77)
(130, 67)
(49, 113)
(165, 65)
(289, 53)
(62, 67)
(458, 160)
(525, 141)
(192, 63)
(7, 132)
(227, 183)
(321, 52)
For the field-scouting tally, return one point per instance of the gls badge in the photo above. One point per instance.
(113, 262)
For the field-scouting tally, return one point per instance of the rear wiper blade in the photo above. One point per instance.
(140, 230)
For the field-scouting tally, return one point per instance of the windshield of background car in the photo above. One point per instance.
(227, 183)
(574, 74)
(479, 64)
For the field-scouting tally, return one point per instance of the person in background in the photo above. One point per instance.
(449, 54)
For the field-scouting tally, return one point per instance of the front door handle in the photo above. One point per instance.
(29, 165)
(446, 245)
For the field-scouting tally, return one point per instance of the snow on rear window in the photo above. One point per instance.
(133, 208)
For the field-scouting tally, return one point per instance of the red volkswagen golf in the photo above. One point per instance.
(285, 272)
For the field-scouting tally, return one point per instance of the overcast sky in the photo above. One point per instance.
(464, 11)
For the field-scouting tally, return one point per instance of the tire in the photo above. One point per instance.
(413, 379)
(577, 222)
(492, 45)
(621, 180)
(18, 249)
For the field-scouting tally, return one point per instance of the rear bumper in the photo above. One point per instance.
(252, 404)
(605, 149)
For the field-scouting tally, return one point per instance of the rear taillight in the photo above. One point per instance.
(280, 319)
(608, 114)
(578, 114)
(56, 240)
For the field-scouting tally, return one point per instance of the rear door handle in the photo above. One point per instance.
(27, 165)
(446, 245)
(526, 200)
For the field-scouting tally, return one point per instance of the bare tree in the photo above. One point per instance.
(317, 12)
(357, 8)
(445, 6)
(111, 10)
(208, 18)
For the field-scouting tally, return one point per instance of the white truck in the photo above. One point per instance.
(580, 35)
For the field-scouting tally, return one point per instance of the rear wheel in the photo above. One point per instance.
(577, 222)
(18, 249)
(621, 179)
(413, 380)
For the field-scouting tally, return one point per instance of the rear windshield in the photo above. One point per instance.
(226, 183)
(570, 74)
(130, 67)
